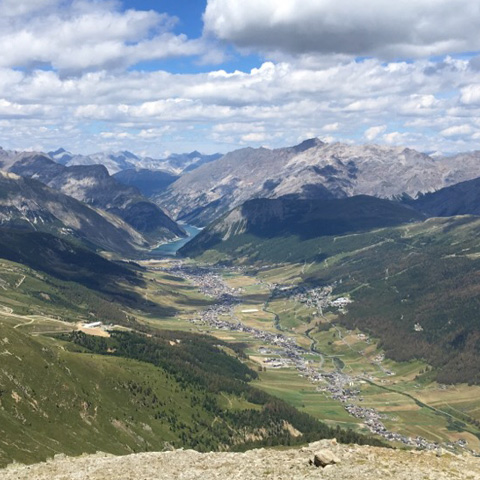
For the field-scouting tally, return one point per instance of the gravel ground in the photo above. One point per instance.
(354, 462)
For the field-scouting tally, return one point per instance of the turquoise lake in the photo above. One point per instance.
(170, 249)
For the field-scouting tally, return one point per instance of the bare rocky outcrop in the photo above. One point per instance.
(348, 463)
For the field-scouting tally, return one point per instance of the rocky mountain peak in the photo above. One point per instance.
(58, 151)
(96, 171)
(307, 144)
(93, 185)
(126, 153)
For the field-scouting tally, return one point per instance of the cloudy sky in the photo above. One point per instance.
(159, 76)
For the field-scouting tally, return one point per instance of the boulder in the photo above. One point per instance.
(322, 458)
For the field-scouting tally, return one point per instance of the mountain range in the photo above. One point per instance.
(312, 170)
(117, 161)
(93, 185)
(28, 204)
(206, 187)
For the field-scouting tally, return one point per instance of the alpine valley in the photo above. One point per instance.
(329, 293)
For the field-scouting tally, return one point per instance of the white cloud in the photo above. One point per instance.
(397, 138)
(88, 35)
(254, 137)
(64, 79)
(410, 28)
(369, 104)
(457, 130)
(276, 103)
(331, 127)
(153, 133)
(373, 132)
(239, 128)
(419, 103)
(470, 95)
(21, 7)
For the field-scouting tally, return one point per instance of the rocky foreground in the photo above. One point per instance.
(320, 460)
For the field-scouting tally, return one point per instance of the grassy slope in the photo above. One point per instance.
(53, 399)
(60, 258)
(425, 274)
(77, 280)
(26, 292)
(56, 401)
(58, 398)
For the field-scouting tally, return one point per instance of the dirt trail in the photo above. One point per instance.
(23, 324)
(29, 319)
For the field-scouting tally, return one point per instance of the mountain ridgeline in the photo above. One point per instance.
(94, 186)
(459, 199)
(148, 182)
(271, 220)
(28, 204)
(117, 162)
(311, 170)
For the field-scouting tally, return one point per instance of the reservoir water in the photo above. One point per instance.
(170, 249)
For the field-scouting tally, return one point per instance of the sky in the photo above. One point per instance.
(161, 76)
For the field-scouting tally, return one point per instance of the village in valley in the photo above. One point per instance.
(279, 349)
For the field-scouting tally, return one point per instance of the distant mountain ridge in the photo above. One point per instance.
(312, 169)
(205, 187)
(148, 182)
(28, 204)
(93, 185)
(249, 225)
(124, 160)
(459, 199)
